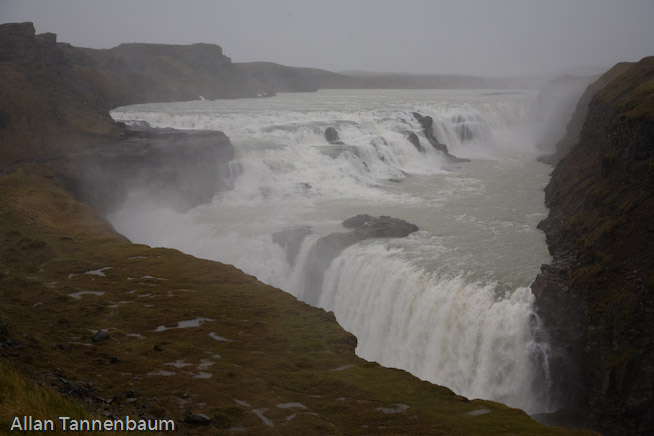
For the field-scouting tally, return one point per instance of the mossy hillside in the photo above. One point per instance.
(259, 348)
(632, 93)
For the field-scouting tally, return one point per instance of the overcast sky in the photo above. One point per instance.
(477, 37)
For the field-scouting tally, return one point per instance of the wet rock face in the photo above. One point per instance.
(426, 122)
(596, 298)
(366, 226)
(415, 141)
(329, 247)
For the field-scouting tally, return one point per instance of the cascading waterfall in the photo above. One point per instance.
(460, 333)
(450, 303)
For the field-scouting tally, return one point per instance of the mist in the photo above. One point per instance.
(473, 37)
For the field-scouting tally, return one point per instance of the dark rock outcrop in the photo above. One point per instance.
(48, 38)
(331, 135)
(426, 122)
(100, 336)
(47, 107)
(328, 247)
(415, 141)
(597, 297)
(18, 30)
(197, 419)
(366, 226)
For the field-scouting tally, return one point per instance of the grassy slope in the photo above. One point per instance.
(279, 350)
(20, 397)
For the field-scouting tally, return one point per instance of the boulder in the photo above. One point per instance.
(328, 247)
(100, 336)
(366, 226)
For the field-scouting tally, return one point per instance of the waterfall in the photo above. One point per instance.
(450, 303)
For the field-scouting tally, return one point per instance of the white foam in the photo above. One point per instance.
(399, 408)
(162, 373)
(203, 375)
(262, 417)
(78, 295)
(205, 364)
(291, 406)
(196, 322)
(98, 272)
(179, 364)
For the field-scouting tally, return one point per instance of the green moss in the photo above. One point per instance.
(632, 92)
(621, 357)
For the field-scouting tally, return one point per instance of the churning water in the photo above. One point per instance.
(450, 303)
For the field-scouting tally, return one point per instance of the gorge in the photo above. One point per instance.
(59, 150)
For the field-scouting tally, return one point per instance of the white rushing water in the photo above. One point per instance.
(450, 303)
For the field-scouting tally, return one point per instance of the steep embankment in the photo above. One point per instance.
(597, 296)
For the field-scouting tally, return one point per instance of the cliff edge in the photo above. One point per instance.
(597, 296)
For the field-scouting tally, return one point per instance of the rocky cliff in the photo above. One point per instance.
(54, 111)
(576, 122)
(47, 107)
(597, 296)
(138, 73)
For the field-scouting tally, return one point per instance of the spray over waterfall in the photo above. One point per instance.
(451, 302)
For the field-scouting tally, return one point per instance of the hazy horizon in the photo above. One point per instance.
(472, 37)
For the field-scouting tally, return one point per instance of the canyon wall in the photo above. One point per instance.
(597, 296)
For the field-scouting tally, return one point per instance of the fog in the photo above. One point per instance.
(476, 37)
